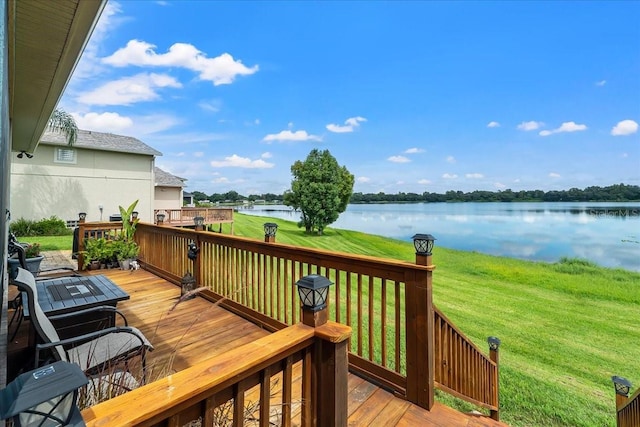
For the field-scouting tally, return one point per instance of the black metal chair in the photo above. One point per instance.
(95, 352)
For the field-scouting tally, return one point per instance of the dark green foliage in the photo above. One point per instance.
(320, 190)
(52, 226)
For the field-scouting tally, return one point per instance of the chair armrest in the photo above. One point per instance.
(87, 337)
(90, 310)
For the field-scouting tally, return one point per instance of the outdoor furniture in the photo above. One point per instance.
(94, 352)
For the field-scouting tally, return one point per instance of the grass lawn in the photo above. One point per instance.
(566, 328)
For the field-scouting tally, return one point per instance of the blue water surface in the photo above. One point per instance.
(605, 233)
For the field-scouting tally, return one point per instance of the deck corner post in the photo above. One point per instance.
(80, 241)
(330, 369)
(419, 334)
(494, 355)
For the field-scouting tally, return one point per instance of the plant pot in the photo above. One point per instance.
(125, 264)
(33, 265)
(94, 265)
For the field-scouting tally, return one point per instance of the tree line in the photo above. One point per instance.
(612, 193)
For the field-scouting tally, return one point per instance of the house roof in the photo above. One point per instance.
(101, 141)
(165, 179)
(45, 40)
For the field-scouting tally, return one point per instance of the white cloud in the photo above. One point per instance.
(128, 90)
(413, 150)
(287, 135)
(493, 125)
(221, 180)
(398, 159)
(363, 179)
(236, 161)
(198, 154)
(528, 126)
(564, 127)
(220, 70)
(474, 175)
(554, 175)
(349, 125)
(451, 159)
(449, 176)
(601, 83)
(103, 122)
(499, 185)
(212, 105)
(625, 127)
(266, 155)
(424, 181)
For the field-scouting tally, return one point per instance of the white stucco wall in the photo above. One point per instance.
(41, 188)
(168, 198)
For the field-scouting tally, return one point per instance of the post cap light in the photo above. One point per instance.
(134, 214)
(160, 217)
(622, 385)
(313, 291)
(494, 343)
(45, 396)
(82, 216)
(270, 229)
(198, 221)
(423, 243)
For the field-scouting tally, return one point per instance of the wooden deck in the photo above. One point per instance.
(195, 330)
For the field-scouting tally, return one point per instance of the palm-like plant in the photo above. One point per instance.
(63, 122)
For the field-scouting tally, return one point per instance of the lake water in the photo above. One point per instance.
(605, 233)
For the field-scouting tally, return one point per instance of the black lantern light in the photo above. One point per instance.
(423, 243)
(82, 216)
(622, 385)
(313, 291)
(198, 221)
(45, 396)
(160, 217)
(270, 229)
(188, 284)
(494, 343)
(134, 215)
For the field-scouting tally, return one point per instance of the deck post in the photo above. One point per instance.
(419, 327)
(330, 370)
(270, 230)
(623, 388)
(494, 355)
(80, 254)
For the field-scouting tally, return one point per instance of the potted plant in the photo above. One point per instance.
(126, 248)
(32, 259)
(98, 252)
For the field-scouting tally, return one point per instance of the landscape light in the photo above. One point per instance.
(423, 243)
(270, 229)
(313, 291)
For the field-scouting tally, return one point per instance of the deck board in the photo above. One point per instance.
(196, 330)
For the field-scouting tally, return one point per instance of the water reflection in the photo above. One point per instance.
(607, 233)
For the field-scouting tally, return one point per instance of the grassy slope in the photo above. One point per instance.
(566, 328)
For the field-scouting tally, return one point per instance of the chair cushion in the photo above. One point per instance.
(105, 348)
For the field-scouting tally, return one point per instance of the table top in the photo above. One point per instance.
(67, 294)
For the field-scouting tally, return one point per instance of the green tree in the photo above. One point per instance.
(320, 190)
(63, 122)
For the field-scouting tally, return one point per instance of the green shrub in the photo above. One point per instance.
(52, 226)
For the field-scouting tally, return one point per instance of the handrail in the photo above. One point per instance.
(186, 215)
(372, 295)
(263, 368)
(461, 369)
(628, 412)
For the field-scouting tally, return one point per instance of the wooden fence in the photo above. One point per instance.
(387, 303)
(628, 411)
(252, 382)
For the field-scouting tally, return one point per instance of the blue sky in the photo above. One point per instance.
(409, 96)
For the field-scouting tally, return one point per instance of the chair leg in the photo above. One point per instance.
(20, 316)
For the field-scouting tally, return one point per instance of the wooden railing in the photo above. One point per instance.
(386, 302)
(628, 410)
(461, 369)
(253, 382)
(185, 216)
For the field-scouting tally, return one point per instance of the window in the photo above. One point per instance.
(65, 155)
